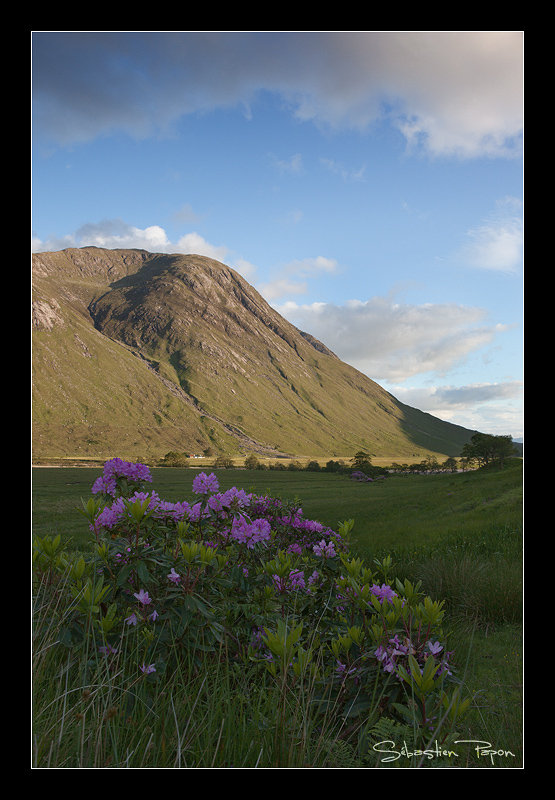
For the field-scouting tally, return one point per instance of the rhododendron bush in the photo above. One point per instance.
(247, 578)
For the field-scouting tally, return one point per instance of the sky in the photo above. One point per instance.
(369, 184)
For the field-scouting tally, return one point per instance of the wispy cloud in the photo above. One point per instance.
(491, 407)
(497, 244)
(293, 164)
(347, 173)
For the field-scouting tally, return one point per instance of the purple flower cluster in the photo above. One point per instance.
(296, 580)
(396, 651)
(259, 527)
(112, 515)
(204, 484)
(232, 500)
(383, 592)
(241, 517)
(118, 469)
(250, 533)
(325, 550)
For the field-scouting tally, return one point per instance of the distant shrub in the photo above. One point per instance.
(175, 459)
(357, 475)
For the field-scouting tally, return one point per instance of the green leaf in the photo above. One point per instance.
(124, 574)
(142, 572)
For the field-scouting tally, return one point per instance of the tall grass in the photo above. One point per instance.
(85, 716)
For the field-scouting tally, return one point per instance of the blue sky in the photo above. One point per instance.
(368, 184)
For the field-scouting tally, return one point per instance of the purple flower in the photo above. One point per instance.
(107, 650)
(117, 468)
(314, 578)
(203, 483)
(383, 592)
(342, 670)
(197, 513)
(104, 485)
(383, 656)
(142, 597)
(174, 576)
(216, 503)
(260, 530)
(295, 580)
(148, 669)
(131, 619)
(324, 550)
(250, 533)
(175, 511)
(236, 497)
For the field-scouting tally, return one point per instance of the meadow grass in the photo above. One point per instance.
(405, 512)
(460, 534)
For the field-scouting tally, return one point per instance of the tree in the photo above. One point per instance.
(251, 462)
(362, 461)
(223, 462)
(486, 448)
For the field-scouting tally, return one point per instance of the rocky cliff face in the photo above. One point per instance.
(179, 352)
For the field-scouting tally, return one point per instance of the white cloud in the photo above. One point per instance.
(245, 268)
(448, 92)
(194, 243)
(401, 345)
(116, 233)
(111, 234)
(393, 342)
(291, 279)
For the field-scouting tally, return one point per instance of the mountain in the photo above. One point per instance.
(135, 354)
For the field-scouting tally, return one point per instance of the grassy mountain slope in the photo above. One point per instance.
(137, 353)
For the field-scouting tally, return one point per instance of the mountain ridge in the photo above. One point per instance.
(142, 353)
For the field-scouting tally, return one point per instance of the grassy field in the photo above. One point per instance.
(460, 534)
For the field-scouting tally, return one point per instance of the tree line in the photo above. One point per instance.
(482, 450)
